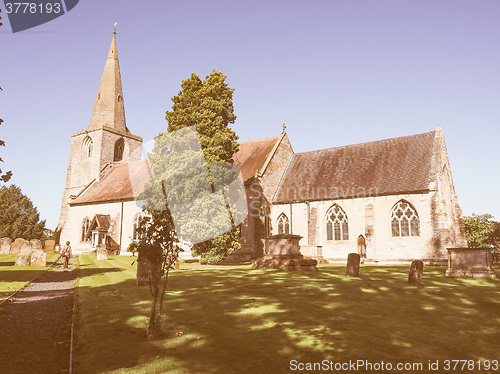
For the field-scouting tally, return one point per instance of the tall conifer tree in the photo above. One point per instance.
(208, 105)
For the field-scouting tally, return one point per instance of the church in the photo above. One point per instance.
(390, 200)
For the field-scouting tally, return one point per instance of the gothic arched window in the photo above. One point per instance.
(138, 221)
(337, 226)
(119, 146)
(404, 220)
(86, 229)
(88, 146)
(283, 224)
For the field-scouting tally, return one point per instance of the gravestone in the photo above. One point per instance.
(416, 270)
(35, 244)
(23, 259)
(102, 252)
(16, 245)
(353, 260)
(145, 270)
(50, 246)
(39, 258)
(5, 246)
(26, 247)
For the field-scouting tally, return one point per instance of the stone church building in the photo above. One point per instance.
(391, 200)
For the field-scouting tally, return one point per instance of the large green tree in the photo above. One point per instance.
(207, 107)
(481, 230)
(18, 217)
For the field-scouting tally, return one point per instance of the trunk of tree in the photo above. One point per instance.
(152, 327)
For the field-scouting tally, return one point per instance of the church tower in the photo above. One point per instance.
(105, 142)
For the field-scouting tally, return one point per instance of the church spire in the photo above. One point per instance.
(108, 107)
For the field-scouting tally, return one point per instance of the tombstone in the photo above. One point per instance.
(39, 258)
(36, 244)
(416, 270)
(16, 246)
(353, 260)
(50, 246)
(145, 271)
(26, 247)
(5, 246)
(102, 252)
(23, 259)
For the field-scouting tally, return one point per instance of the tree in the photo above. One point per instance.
(181, 172)
(18, 217)
(158, 247)
(4, 177)
(208, 106)
(481, 231)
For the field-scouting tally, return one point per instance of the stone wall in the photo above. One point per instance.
(276, 167)
(448, 227)
(369, 217)
(83, 169)
(260, 192)
(73, 228)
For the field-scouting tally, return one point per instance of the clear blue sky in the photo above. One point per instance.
(336, 72)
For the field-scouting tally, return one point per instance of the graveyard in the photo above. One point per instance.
(237, 318)
(240, 319)
(15, 277)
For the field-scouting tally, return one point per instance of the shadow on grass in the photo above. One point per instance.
(243, 320)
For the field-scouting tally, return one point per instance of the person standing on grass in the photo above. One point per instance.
(66, 254)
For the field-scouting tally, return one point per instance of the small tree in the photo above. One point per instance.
(481, 231)
(157, 247)
(18, 217)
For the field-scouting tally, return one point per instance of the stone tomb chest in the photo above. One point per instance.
(283, 252)
(470, 262)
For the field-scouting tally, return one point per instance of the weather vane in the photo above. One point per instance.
(116, 23)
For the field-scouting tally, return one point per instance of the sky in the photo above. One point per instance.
(335, 72)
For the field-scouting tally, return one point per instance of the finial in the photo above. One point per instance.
(114, 32)
(284, 126)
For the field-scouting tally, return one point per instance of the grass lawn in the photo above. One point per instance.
(235, 319)
(13, 277)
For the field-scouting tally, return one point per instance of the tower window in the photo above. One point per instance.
(88, 146)
(119, 146)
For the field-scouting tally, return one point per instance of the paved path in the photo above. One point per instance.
(35, 326)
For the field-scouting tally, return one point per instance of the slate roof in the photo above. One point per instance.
(252, 155)
(100, 222)
(124, 182)
(392, 166)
